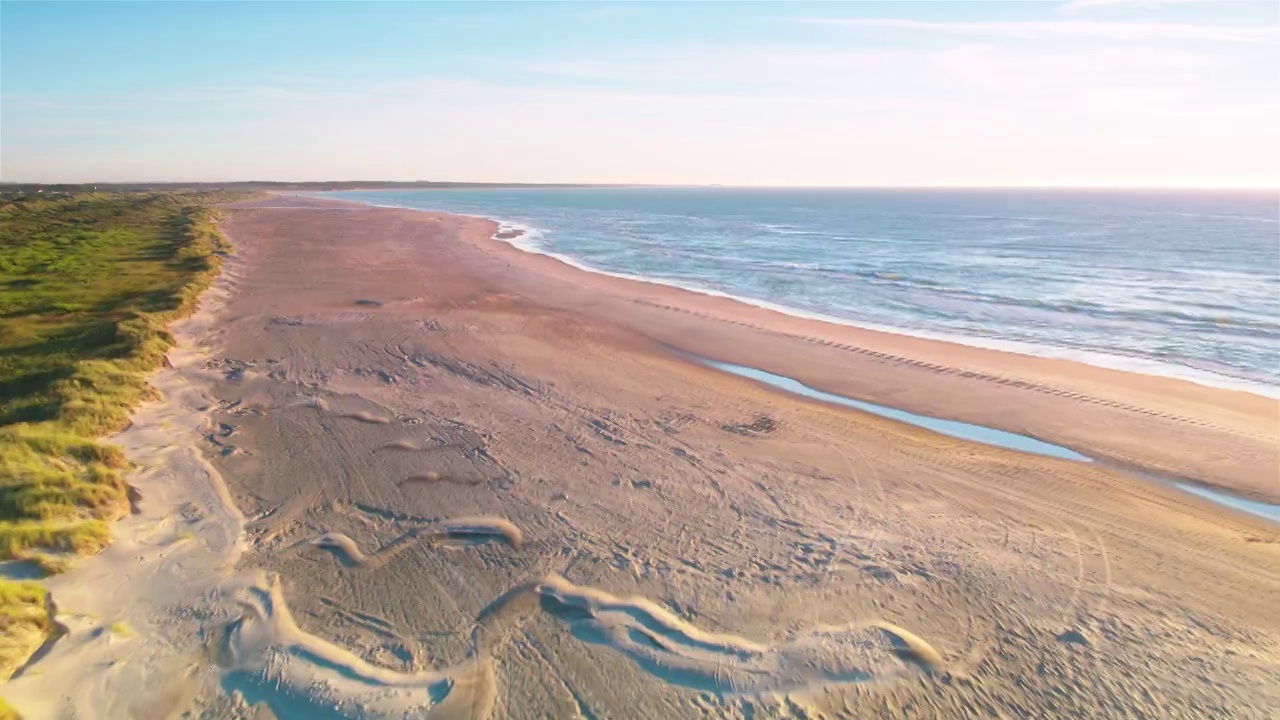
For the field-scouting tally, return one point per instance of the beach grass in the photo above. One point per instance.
(24, 623)
(7, 712)
(88, 284)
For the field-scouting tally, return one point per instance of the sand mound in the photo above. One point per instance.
(432, 477)
(342, 546)
(366, 417)
(266, 654)
(404, 446)
(455, 532)
(349, 553)
(310, 402)
(680, 653)
(416, 446)
(482, 529)
(504, 616)
(910, 647)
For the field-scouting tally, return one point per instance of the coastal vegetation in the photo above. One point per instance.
(88, 283)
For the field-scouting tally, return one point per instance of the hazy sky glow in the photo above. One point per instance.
(1082, 92)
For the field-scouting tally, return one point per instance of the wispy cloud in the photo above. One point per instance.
(1082, 29)
(963, 110)
(1075, 6)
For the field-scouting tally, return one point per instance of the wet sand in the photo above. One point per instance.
(481, 483)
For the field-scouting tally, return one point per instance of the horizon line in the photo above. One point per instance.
(427, 184)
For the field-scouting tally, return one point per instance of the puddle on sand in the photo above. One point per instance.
(1253, 507)
(980, 434)
(952, 428)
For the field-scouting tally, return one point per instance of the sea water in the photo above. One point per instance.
(1177, 283)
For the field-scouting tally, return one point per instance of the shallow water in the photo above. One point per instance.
(1253, 507)
(978, 433)
(1174, 283)
(952, 428)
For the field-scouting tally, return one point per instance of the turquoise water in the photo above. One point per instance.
(1185, 284)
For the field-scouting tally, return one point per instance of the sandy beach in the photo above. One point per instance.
(478, 482)
(656, 361)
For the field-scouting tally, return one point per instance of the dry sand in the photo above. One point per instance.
(481, 483)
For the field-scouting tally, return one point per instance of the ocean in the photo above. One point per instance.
(1178, 283)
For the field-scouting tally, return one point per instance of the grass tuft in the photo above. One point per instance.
(24, 623)
(7, 712)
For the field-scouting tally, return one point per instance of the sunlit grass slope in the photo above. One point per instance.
(87, 286)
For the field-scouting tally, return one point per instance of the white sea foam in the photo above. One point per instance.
(1114, 362)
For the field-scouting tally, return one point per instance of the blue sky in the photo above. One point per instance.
(1077, 92)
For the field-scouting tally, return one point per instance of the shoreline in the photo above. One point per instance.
(908, 349)
(1094, 358)
(478, 479)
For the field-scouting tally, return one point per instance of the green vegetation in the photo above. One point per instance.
(88, 283)
(7, 712)
(24, 623)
